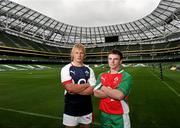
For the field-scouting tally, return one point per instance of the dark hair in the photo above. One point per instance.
(117, 52)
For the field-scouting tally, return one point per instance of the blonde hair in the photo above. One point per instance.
(78, 46)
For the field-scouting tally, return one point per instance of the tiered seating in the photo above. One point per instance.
(24, 47)
(7, 41)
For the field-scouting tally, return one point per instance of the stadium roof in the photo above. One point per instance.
(163, 21)
(92, 13)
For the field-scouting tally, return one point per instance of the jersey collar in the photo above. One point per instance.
(119, 71)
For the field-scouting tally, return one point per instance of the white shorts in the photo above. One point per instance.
(75, 120)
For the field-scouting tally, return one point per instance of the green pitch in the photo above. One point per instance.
(34, 99)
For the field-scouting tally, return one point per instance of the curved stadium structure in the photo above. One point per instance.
(29, 36)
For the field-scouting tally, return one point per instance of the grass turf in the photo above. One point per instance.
(34, 99)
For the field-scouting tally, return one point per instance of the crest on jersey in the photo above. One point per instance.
(87, 73)
(116, 79)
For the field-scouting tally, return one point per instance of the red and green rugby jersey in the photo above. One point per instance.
(121, 81)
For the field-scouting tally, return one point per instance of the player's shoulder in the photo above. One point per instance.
(126, 74)
(87, 66)
(66, 67)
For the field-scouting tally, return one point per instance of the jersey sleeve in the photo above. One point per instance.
(65, 76)
(92, 79)
(125, 84)
(98, 82)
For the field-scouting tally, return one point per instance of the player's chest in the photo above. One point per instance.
(79, 73)
(111, 80)
(115, 78)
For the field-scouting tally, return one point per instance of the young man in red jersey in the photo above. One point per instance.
(113, 88)
(78, 80)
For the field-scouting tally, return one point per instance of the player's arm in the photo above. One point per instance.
(97, 89)
(87, 91)
(67, 82)
(76, 88)
(100, 94)
(92, 82)
(121, 91)
(113, 93)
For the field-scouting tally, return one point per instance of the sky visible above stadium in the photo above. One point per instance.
(91, 13)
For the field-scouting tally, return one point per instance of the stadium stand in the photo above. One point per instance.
(30, 34)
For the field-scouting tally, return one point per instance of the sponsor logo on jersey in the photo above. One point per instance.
(88, 117)
(102, 78)
(73, 72)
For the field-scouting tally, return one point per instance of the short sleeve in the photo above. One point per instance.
(92, 79)
(65, 75)
(98, 82)
(125, 84)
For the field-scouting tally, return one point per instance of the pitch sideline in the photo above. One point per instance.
(30, 113)
(35, 114)
(165, 83)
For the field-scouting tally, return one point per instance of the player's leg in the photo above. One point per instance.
(120, 121)
(126, 120)
(84, 126)
(85, 121)
(70, 121)
(70, 126)
(117, 121)
(105, 120)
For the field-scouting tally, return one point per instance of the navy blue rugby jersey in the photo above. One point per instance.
(75, 104)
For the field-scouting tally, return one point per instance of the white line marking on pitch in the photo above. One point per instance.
(172, 89)
(30, 113)
(35, 114)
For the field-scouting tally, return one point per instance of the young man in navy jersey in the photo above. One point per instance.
(78, 80)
